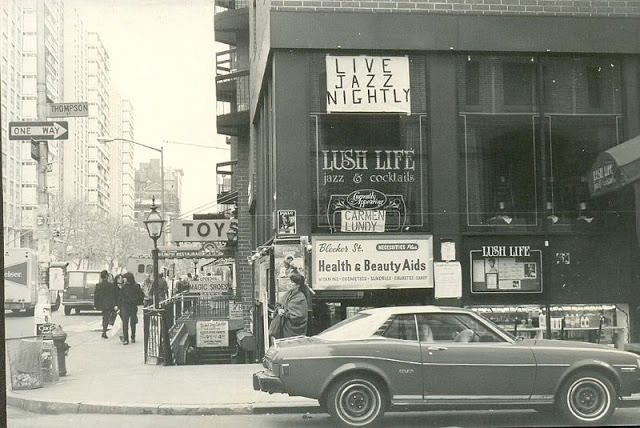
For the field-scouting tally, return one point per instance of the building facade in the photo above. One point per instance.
(148, 179)
(31, 70)
(442, 152)
(121, 158)
(11, 105)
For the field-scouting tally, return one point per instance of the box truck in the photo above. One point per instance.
(21, 277)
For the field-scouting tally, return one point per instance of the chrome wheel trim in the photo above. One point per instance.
(588, 399)
(358, 402)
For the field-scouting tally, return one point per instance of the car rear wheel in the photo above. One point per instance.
(587, 398)
(67, 310)
(356, 401)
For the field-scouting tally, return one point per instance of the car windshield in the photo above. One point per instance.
(356, 327)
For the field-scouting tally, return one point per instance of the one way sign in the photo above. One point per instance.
(38, 130)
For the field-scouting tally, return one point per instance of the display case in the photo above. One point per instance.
(600, 323)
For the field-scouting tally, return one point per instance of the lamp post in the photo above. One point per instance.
(195, 268)
(161, 150)
(154, 224)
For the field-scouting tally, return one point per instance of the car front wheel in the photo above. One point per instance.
(587, 398)
(356, 401)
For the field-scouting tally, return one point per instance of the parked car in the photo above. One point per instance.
(412, 357)
(79, 290)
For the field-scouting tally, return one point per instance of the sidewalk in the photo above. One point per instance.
(104, 376)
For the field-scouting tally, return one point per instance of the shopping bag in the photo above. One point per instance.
(115, 329)
(112, 317)
(275, 328)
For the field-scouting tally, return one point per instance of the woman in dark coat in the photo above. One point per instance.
(105, 299)
(293, 308)
(129, 297)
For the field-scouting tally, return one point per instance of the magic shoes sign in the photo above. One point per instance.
(368, 84)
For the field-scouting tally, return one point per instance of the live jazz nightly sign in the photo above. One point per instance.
(368, 84)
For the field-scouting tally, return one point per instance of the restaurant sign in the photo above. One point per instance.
(367, 263)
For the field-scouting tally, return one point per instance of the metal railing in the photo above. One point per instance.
(164, 322)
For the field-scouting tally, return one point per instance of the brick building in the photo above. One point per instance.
(438, 152)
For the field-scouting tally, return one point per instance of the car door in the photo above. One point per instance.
(399, 356)
(486, 369)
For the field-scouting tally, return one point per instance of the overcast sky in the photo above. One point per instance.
(162, 58)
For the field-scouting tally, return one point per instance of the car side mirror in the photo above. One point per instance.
(519, 338)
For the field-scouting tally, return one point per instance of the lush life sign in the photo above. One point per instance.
(367, 263)
(506, 269)
(366, 83)
(371, 188)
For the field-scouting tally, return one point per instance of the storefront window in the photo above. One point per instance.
(500, 169)
(370, 172)
(505, 150)
(583, 117)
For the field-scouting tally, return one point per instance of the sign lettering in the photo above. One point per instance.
(38, 130)
(368, 84)
(200, 230)
(365, 264)
(80, 109)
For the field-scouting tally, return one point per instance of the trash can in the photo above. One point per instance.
(25, 362)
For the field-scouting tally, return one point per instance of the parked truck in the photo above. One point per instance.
(21, 278)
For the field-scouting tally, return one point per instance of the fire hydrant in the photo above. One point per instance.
(59, 337)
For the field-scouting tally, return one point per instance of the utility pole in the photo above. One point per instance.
(41, 230)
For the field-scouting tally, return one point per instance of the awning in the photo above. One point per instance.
(615, 168)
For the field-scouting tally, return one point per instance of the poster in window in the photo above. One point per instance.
(506, 269)
(286, 222)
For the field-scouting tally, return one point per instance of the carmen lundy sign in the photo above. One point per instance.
(363, 263)
(366, 83)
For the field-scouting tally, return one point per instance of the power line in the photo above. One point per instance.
(195, 145)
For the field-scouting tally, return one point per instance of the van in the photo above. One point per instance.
(79, 290)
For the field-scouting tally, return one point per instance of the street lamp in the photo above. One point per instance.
(161, 150)
(154, 224)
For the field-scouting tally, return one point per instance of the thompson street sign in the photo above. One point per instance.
(57, 130)
(80, 109)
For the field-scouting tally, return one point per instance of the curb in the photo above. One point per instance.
(61, 407)
(223, 409)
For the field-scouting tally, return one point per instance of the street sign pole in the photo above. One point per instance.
(41, 228)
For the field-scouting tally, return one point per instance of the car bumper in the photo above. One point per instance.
(267, 382)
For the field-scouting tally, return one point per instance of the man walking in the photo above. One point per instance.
(105, 300)
(161, 289)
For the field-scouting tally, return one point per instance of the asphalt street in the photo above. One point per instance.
(512, 418)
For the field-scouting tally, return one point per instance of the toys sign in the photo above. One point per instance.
(200, 230)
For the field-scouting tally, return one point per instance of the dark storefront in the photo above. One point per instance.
(469, 167)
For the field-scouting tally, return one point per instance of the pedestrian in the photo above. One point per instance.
(182, 285)
(161, 289)
(146, 286)
(130, 296)
(293, 308)
(105, 300)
